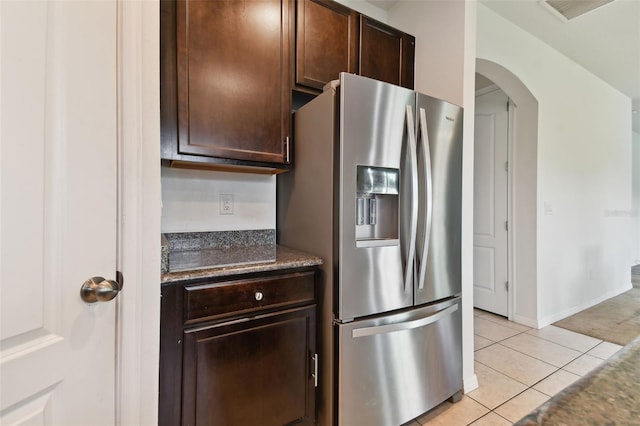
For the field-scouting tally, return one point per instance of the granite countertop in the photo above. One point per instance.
(609, 395)
(187, 251)
(285, 258)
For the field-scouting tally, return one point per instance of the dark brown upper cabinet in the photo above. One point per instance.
(226, 82)
(386, 54)
(331, 38)
(326, 42)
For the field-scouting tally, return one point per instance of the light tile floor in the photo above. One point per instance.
(518, 368)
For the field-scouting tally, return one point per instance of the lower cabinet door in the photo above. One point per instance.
(251, 372)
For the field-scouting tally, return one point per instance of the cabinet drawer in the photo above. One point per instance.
(210, 301)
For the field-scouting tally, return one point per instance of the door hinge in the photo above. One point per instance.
(506, 166)
(506, 225)
(314, 375)
(506, 285)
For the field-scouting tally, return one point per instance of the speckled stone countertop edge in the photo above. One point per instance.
(286, 258)
(610, 394)
(164, 254)
(181, 250)
(220, 239)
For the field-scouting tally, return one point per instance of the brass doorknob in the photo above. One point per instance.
(97, 289)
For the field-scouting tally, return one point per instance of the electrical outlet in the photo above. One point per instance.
(226, 204)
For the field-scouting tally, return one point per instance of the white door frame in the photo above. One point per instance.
(511, 135)
(138, 328)
(523, 181)
(511, 235)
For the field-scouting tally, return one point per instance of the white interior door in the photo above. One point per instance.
(58, 211)
(490, 236)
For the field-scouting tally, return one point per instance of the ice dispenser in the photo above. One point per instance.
(376, 206)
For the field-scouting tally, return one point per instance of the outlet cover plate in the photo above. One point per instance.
(226, 204)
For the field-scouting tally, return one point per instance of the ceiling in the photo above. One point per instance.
(605, 41)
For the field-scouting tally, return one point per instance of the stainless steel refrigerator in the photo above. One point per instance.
(376, 192)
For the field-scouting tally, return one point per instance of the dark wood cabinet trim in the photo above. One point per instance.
(168, 79)
(170, 378)
(407, 65)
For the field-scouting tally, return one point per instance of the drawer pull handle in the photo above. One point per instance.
(314, 358)
(259, 296)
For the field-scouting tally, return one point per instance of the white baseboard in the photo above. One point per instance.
(470, 383)
(574, 310)
(529, 322)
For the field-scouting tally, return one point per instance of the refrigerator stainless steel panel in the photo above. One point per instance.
(440, 197)
(376, 192)
(373, 129)
(395, 368)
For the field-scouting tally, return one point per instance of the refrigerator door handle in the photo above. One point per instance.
(413, 221)
(400, 326)
(426, 152)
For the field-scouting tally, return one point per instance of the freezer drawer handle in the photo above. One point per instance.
(390, 328)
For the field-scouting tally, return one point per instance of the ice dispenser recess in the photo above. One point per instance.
(376, 206)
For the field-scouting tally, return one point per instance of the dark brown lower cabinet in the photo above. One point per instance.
(250, 373)
(239, 350)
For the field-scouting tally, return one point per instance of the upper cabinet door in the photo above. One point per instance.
(326, 42)
(233, 79)
(386, 54)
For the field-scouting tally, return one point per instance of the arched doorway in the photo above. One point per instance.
(522, 216)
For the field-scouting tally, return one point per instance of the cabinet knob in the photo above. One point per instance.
(259, 296)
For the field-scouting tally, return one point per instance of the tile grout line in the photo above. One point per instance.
(528, 387)
(541, 360)
(560, 344)
(546, 340)
(517, 332)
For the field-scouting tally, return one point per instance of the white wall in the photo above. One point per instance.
(445, 68)
(635, 187)
(439, 29)
(584, 171)
(366, 8)
(191, 201)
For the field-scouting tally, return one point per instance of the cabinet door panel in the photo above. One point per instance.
(233, 78)
(386, 54)
(326, 42)
(255, 372)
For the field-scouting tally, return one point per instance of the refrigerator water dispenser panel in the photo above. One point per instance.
(376, 206)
